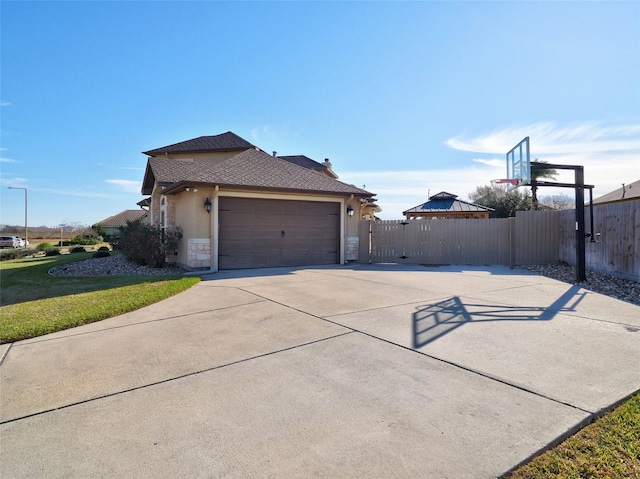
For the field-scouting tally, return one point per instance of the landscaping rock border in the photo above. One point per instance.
(114, 265)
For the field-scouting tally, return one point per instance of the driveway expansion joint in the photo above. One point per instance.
(171, 379)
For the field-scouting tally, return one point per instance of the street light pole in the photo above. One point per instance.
(25, 211)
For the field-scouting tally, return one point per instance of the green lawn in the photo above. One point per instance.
(607, 448)
(33, 303)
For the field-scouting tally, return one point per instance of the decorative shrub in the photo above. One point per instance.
(44, 246)
(6, 254)
(101, 254)
(85, 240)
(78, 249)
(52, 252)
(148, 245)
(104, 248)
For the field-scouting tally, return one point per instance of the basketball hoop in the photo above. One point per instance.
(511, 181)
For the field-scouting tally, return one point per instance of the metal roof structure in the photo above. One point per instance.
(444, 202)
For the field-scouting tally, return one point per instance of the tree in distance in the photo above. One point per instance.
(557, 202)
(538, 174)
(505, 203)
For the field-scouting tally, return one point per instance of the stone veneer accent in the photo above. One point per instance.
(199, 253)
(170, 211)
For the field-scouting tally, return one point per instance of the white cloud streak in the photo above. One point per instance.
(550, 138)
(609, 154)
(21, 182)
(126, 185)
(76, 193)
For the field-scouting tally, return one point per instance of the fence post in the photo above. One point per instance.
(512, 243)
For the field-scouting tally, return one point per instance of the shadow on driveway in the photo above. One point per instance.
(438, 319)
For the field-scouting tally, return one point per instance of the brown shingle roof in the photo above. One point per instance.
(304, 161)
(250, 169)
(121, 218)
(228, 141)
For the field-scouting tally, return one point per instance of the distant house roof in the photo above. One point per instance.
(445, 202)
(250, 169)
(228, 141)
(121, 218)
(626, 193)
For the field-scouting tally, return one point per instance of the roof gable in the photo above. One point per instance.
(252, 168)
(228, 141)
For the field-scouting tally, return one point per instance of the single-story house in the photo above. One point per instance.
(447, 205)
(240, 207)
(628, 192)
(112, 224)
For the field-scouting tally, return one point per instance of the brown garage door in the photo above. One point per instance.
(258, 233)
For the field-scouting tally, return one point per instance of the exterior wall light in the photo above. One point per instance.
(350, 210)
(207, 205)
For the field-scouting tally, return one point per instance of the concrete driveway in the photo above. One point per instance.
(346, 371)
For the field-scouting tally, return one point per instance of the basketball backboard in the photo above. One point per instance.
(519, 165)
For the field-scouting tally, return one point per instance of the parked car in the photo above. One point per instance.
(22, 243)
(9, 242)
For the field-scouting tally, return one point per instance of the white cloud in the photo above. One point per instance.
(126, 185)
(77, 193)
(7, 160)
(494, 162)
(550, 138)
(610, 156)
(17, 182)
(5, 103)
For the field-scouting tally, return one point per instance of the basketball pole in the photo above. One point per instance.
(581, 271)
(579, 187)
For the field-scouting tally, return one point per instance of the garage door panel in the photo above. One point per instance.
(263, 233)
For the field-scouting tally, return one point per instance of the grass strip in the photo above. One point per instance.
(607, 448)
(35, 303)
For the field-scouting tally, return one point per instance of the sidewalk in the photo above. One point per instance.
(376, 371)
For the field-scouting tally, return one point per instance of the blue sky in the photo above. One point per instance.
(407, 98)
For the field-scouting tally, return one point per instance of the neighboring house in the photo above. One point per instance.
(112, 224)
(239, 207)
(446, 205)
(630, 192)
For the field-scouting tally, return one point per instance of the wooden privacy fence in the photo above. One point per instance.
(530, 237)
(617, 248)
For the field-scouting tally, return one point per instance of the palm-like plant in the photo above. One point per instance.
(536, 174)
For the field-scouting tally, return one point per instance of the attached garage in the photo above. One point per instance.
(258, 233)
(240, 207)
